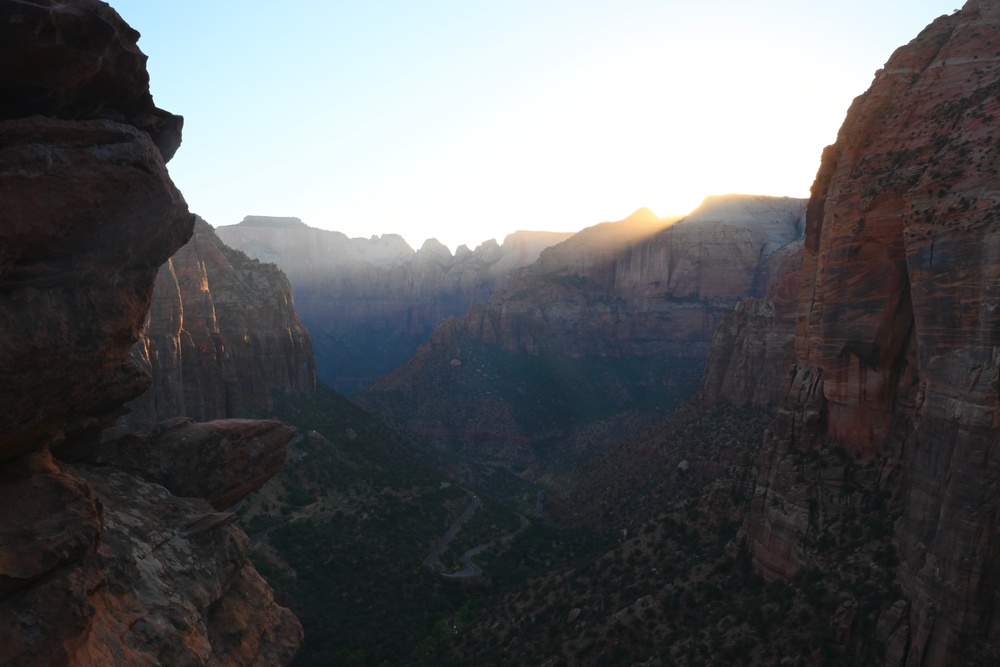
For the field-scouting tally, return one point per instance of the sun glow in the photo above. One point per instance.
(465, 122)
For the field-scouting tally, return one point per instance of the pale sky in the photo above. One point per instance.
(465, 120)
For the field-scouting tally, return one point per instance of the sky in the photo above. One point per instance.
(464, 120)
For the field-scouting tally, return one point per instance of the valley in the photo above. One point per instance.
(725, 406)
(759, 434)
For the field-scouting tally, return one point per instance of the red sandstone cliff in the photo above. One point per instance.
(896, 346)
(100, 567)
(222, 335)
(370, 302)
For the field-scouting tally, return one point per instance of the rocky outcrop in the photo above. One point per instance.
(369, 303)
(619, 315)
(79, 62)
(222, 335)
(106, 569)
(896, 345)
(64, 355)
(98, 567)
(224, 459)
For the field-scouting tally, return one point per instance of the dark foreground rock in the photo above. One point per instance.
(98, 566)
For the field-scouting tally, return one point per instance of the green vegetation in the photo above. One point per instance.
(345, 528)
(358, 509)
(351, 518)
(578, 390)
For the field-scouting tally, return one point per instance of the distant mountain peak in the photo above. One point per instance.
(435, 247)
(271, 221)
(642, 215)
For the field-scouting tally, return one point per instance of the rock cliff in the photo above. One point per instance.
(99, 566)
(369, 303)
(751, 354)
(642, 286)
(617, 317)
(895, 351)
(222, 335)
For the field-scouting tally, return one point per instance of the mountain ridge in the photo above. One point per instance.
(368, 303)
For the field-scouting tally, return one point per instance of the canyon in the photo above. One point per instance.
(368, 303)
(608, 329)
(760, 434)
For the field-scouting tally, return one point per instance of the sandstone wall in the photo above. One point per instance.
(222, 335)
(897, 339)
(751, 357)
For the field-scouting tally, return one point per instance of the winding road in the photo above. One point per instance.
(450, 535)
(470, 569)
(473, 570)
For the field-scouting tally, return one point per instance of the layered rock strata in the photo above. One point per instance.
(103, 568)
(99, 567)
(896, 358)
(222, 335)
(369, 303)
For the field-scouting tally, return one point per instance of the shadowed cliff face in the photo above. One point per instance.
(222, 335)
(100, 567)
(751, 357)
(369, 303)
(79, 61)
(897, 339)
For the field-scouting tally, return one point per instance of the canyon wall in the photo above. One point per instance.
(369, 303)
(102, 566)
(642, 285)
(619, 317)
(895, 351)
(751, 356)
(222, 335)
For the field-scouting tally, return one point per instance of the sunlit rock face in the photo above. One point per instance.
(720, 251)
(98, 567)
(897, 338)
(642, 284)
(639, 288)
(369, 302)
(222, 335)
